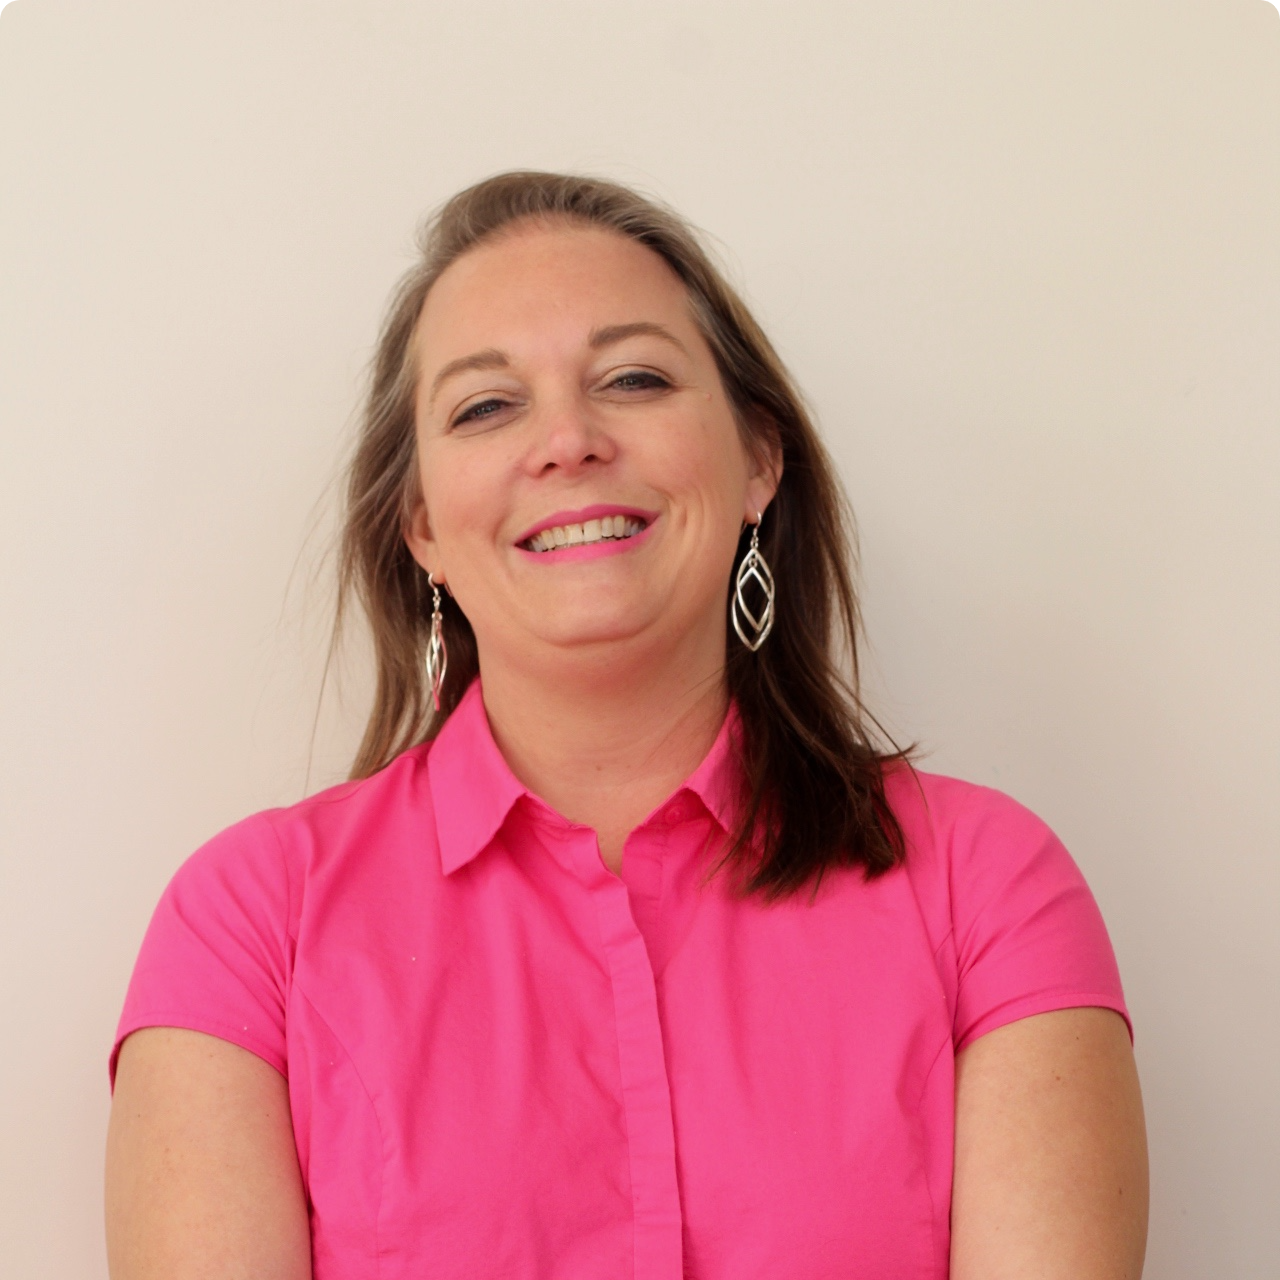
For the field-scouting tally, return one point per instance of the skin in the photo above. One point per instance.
(202, 1179)
(1050, 1175)
(603, 683)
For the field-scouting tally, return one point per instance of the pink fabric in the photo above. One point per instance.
(505, 1061)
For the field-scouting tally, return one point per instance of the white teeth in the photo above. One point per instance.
(574, 535)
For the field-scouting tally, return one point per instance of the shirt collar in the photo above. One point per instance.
(473, 789)
(718, 780)
(472, 786)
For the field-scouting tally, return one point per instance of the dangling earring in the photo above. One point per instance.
(753, 566)
(437, 656)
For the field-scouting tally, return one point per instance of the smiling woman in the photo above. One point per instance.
(628, 950)
(572, 315)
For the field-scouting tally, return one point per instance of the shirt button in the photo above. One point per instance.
(679, 811)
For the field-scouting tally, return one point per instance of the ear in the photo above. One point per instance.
(764, 459)
(416, 532)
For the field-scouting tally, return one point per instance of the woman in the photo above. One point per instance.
(626, 952)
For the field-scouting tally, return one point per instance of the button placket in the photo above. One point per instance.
(646, 1094)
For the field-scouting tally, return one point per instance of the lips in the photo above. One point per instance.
(602, 522)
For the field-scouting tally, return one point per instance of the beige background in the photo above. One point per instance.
(1024, 256)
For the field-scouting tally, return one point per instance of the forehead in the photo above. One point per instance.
(543, 285)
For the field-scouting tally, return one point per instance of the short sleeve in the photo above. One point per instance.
(216, 956)
(1028, 935)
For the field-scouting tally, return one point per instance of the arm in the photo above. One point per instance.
(202, 1172)
(1051, 1155)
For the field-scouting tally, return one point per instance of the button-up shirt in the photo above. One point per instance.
(505, 1060)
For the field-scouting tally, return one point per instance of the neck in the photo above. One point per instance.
(605, 741)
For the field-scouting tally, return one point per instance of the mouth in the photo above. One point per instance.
(616, 528)
(588, 528)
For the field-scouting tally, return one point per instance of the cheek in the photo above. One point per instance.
(709, 458)
(708, 465)
(460, 494)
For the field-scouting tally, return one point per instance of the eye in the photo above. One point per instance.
(477, 412)
(639, 380)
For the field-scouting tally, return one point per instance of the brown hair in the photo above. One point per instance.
(814, 772)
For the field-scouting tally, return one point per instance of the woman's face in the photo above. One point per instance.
(584, 480)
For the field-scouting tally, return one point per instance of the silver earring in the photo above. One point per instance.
(753, 630)
(437, 656)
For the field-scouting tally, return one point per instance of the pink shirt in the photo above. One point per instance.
(504, 1060)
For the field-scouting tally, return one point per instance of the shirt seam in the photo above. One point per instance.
(184, 1020)
(979, 840)
(1035, 1002)
(290, 936)
(377, 1119)
(934, 1219)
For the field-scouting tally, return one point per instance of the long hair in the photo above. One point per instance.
(813, 759)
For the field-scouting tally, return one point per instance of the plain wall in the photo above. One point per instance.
(1024, 258)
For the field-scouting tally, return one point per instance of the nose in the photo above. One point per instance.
(567, 437)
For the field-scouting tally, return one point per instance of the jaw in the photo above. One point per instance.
(594, 656)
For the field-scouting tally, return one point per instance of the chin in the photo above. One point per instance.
(595, 614)
(589, 632)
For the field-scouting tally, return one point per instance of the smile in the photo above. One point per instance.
(615, 528)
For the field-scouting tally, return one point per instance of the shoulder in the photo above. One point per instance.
(380, 796)
(1015, 928)
(397, 794)
(220, 951)
(269, 855)
(971, 848)
(942, 799)
(945, 818)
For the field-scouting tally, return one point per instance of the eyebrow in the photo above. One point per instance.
(607, 336)
(492, 358)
